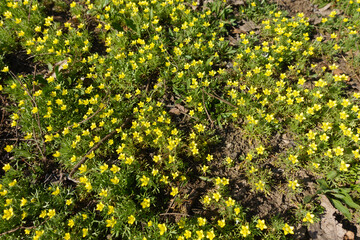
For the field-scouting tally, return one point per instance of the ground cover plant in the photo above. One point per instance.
(174, 119)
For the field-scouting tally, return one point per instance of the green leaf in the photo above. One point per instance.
(348, 201)
(24, 153)
(339, 196)
(308, 198)
(323, 184)
(205, 179)
(331, 174)
(339, 206)
(130, 24)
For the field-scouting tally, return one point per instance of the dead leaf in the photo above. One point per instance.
(178, 109)
(236, 2)
(246, 27)
(323, 9)
(233, 41)
(338, 71)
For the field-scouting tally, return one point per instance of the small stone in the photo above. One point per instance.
(349, 235)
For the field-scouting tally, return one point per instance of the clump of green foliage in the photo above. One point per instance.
(104, 151)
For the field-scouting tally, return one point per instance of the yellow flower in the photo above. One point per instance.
(56, 192)
(162, 228)
(67, 236)
(42, 214)
(260, 185)
(230, 202)
(9, 148)
(71, 223)
(221, 223)
(245, 230)
(68, 202)
(339, 151)
(288, 229)
(200, 234)
(114, 169)
(206, 200)
(293, 184)
(187, 234)
(144, 181)
(309, 217)
(174, 191)
(343, 166)
(145, 203)
(85, 232)
(201, 221)
(51, 213)
(23, 202)
(83, 168)
(293, 158)
(110, 210)
(216, 196)
(210, 235)
(34, 110)
(260, 150)
(8, 213)
(57, 154)
(6, 167)
(103, 167)
(111, 222)
(131, 219)
(100, 206)
(5, 69)
(261, 224)
(115, 180)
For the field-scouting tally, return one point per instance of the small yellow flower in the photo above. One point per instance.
(261, 224)
(23, 202)
(56, 192)
(309, 217)
(9, 148)
(288, 229)
(174, 191)
(8, 213)
(216, 196)
(201, 221)
(51, 213)
(5, 69)
(187, 234)
(145, 203)
(6, 167)
(68, 202)
(210, 235)
(245, 230)
(111, 222)
(131, 219)
(260, 185)
(162, 228)
(34, 110)
(343, 166)
(67, 236)
(200, 234)
(103, 168)
(100, 206)
(71, 223)
(144, 181)
(85, 232)
(293, 184)
(221, 223)
(83, 168)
